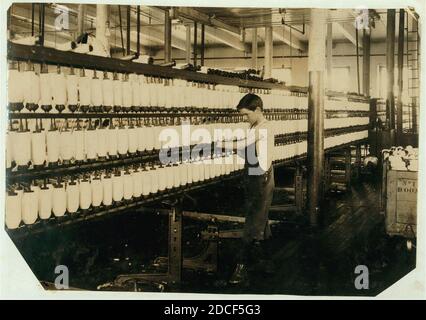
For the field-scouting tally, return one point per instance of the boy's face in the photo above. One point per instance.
(250, 116)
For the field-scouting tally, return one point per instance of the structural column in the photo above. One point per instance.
(188, 43)
(202, 44)
(399, 125)
(167, 37)
(316, 67)
(254, 49)
(80, 18)
(390, 64)
(329, 53)
(195, 44)
(101, 25)
(268, 52)
(366, 39)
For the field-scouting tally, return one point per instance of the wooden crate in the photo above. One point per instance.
(401, 203)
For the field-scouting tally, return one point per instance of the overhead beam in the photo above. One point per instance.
(284, 36)
(227, 38)
(348, 30)
(195, 15)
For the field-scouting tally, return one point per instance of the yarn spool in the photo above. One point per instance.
(84, 89)
(32, 91)
(90, 143)
(15, 90)
(45, 92)
(146, 178)
(127, 95)
(188, 166)
(154, 179)
(78, 136)
(123, 141)
(85, 194)
(45, 203)
(13, 210)
(107, 190)
(157, 141)
(59, 200)
(67, 145)
(97, 191)
(118, 93)
(112, 134)
(183, 174)
(53, 146)
(206, 165)
(137, 183)
(141, 138)
(162, 178)
(102, 142)
(72, 92)
(153, 95)
(38, 147)
(195, 171)
(117, 187)
(58, 87)
(134, 82)
(144, 93)
(73, 197)
(107, 92)
(149, 138)
(176, 176)
(96, 93)
(22, 152)
(29, 210)
(133, 138)
(170, 177)
(127, 185)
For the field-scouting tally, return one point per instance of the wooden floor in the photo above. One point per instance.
(322, 262)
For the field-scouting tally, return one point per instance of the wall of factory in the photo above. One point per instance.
(344, 55)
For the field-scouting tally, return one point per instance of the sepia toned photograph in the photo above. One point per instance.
(215, 150)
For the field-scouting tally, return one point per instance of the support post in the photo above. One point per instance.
(358, 161)
(202, 44)
(366, 39)
(315, 157)
(80, 18)
(329, 54)
(138, 30)
(390, 64)
(399, 126)
(298, 187)
(128, 31)
(167, 37)
(188, 43)
(348, 168)
(254, 49)
(268, 52)
(195, 43)
(101, 25)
